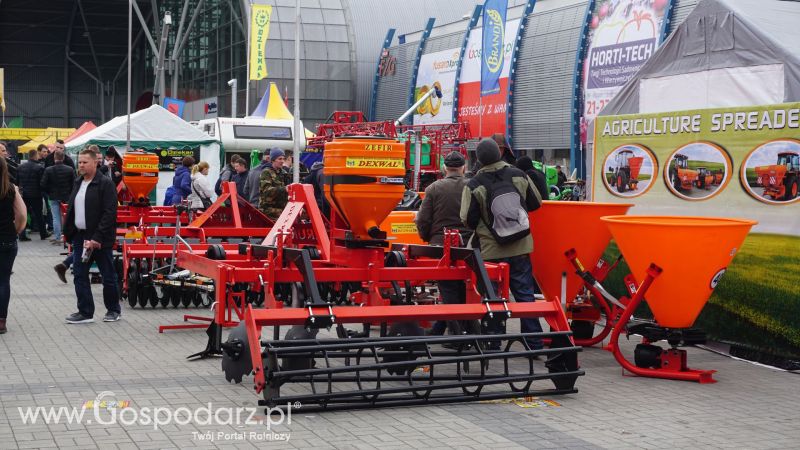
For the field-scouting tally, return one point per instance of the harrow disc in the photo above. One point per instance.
(174, 296)
(187, 296)
(161, 294)
(197, 299)
(144, 291)
(133, 283)
(208, 298)
(236, 361)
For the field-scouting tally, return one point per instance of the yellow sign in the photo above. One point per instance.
(260, 16)
(133, 235)
(2, 90)
(379, 163)
(404, 228)
(142, 166)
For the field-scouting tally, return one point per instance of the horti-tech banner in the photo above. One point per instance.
(623, 35)
(728, 162)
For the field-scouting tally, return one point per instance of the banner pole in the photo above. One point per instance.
(247, 58)
(130, 44)
(297, 128)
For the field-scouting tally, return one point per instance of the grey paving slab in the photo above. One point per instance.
(46, 363)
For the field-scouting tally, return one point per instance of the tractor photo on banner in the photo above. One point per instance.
(738, 162)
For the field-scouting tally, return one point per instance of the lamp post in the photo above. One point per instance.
(233, 83)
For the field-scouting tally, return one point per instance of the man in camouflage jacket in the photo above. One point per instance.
(273, 193)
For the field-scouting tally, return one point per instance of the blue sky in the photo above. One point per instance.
(767, 154)
(699, 151)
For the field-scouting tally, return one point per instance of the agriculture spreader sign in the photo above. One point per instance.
(728, 162)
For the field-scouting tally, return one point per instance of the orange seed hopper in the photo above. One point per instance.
(140, 174)
(364, 181)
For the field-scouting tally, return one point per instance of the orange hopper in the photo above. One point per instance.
(364, 181)
(635, 164)
(560, 226)
(685, 284)
(140, 174)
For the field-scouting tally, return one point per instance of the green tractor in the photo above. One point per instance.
(571, 191)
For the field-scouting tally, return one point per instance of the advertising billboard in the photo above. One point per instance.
(741, 162)
(486, 115)
(436, 70)
(623, 34)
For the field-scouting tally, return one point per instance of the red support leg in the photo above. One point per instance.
(673, 361)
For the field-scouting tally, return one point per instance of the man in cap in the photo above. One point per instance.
(475, 215)
(252, 191)
(272, 185)
(440, 210)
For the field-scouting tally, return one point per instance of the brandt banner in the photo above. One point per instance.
(623, 35)
(486, 115)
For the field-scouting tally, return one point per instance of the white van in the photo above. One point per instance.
(241, 135)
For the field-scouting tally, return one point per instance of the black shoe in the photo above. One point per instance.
(61, 271)
(76, 318)
(24, 239)
(112, 317)
(46, 235)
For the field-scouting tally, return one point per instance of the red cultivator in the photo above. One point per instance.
(352, 276)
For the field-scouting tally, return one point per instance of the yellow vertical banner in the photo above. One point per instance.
(259, 32)
(2, 90)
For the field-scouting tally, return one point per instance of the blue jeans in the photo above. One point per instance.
(522, 286)
(8, 253)
(83, 289)
(55, 210)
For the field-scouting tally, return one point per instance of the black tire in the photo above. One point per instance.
(622, 182)
(215, 252)
(791, 190)
(582, 329)
(675, 180)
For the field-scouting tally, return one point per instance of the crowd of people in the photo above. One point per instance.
(487, 206)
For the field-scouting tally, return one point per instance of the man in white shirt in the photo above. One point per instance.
(90, 227)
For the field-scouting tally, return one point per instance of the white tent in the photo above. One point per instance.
(157, 130)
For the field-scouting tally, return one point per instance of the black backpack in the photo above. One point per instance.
(505, 207)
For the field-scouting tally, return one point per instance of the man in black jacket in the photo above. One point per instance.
(90, 226)
(58, 146)
(57, 184)
(29, 176)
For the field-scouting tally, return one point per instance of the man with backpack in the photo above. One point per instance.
(495, 203)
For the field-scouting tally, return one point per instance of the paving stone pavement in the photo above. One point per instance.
(46, 363)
